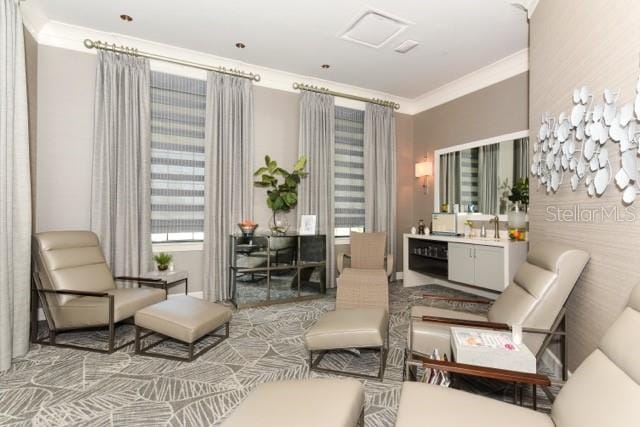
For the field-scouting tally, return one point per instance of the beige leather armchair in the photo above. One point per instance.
(603, 391)
(73, 284)
(367, 253)
(535, 300)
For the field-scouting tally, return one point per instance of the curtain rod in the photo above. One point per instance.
(302, 86)
(97, 44)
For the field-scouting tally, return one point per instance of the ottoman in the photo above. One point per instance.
(185, 319)
(308, 403)
(359, 328)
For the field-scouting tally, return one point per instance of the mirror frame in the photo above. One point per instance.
(465, 146)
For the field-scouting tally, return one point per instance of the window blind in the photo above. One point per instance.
(177, 157)
(349, 171)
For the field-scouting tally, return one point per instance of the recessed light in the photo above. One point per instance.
(240, 45)
(126, 18)
(325, 66)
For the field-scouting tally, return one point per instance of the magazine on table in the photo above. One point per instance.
(437, 376)
(492, 340)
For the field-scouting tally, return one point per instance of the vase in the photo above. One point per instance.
(278, 224)
(517, 222)
(163, 267)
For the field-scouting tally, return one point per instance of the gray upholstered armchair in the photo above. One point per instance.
(603, 391)
(73, 284)
(367, 253)
(536, 300)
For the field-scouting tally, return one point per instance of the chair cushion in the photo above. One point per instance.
(428, 336)
(424, 404)
(362, 288)
(368, 250)
(184, 318)
(348, 328)
(93, 311)
(309, 403)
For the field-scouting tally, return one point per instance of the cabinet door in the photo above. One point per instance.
(461, 263)
(489, 267)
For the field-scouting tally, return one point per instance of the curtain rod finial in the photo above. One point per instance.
(88, 43)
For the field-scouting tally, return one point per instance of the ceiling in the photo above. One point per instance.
(456, 37)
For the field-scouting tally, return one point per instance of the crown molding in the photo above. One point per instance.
(67, 36)
(503, 69)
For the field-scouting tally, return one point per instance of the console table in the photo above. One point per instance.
(272, 269)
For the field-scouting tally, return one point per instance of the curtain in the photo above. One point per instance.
(380, 172)
(520, 158)
(316, 191)
(15, 189)
(228, 174)
(488, 165)
(449, 179)
(120, 188)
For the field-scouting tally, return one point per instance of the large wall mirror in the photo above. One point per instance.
(476, 177)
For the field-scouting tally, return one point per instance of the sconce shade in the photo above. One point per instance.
(424, 169)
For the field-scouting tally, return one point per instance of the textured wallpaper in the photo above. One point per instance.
(594, 43)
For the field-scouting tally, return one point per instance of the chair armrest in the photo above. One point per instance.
(340, 261)
(389, 264)
(485, 372)
(455, 299)
(464, 322)
(72, 292)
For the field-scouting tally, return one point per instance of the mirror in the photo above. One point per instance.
(477, 177)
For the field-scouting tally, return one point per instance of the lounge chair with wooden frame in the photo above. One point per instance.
(603, 391)
(73, 284)
(536, 300)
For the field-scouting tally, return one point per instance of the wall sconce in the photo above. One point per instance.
(424, 170)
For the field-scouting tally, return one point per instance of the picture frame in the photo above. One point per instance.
(307, 225)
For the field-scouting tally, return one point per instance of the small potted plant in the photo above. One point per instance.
(163, 260)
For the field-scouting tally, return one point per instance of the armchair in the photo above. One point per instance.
(73, 284)
(535, 300)
(367, 253)
(603, 391)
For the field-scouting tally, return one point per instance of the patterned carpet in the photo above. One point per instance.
(61, 387)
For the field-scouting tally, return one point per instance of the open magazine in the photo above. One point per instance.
(493, 340)
(437, 376)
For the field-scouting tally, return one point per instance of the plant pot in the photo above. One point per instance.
(278, 224)
(163, 267)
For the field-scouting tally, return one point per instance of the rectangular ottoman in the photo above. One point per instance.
(185, 319)
(308, 403)
(345, 329)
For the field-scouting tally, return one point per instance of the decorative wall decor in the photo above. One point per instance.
(576, 144)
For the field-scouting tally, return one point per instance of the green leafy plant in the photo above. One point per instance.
(282, 196)
(520, 191)
(163, 260)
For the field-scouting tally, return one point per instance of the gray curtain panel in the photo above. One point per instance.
(15, 189)
(316, 191)
(228, 174)
(488, 165)
(380, 172)
(520, 158)
(449, 179)
(120, 188)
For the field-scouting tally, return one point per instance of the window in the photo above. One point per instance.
(349, 171)
(177, 158)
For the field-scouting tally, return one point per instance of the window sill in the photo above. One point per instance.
(177, 247)
(341, 240)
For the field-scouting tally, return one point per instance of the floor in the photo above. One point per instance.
(55, 387)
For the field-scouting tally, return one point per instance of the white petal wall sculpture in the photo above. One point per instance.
(576, 143)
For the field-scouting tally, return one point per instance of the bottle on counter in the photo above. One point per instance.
(421, 227)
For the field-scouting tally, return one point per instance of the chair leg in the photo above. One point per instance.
(565, 353)
(137, 340)
(34, 316)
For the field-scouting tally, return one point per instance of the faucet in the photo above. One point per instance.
(496, 230)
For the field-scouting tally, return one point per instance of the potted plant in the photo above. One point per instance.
(517, 215)
(163, 260)
(282, 196)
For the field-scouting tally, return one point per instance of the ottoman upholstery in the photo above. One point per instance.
(183, 318)
(347, 329)
(309, 403)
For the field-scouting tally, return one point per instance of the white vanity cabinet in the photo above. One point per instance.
(482, 266)
(477, 265)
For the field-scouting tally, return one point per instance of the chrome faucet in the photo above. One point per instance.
(496, 232)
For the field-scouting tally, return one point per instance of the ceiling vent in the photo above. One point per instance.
(374, 28)
(406, 46)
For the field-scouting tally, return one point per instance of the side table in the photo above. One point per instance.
(167, 280)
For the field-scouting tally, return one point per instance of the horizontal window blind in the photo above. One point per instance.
(349, 171)
(177, 157)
